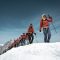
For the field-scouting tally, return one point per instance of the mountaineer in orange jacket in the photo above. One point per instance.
(31, 29)
(30, 33)
(44, 23)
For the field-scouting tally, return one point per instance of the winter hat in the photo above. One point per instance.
(43, 15)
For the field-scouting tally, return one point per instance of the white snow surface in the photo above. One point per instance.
(1, 44)
(35, 51)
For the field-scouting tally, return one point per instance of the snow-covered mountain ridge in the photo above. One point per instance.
(35, 51)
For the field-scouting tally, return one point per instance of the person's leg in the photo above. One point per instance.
(32, 38)
(27, 42)
(29, 38)
(28, 34)
(17, 44)
(23, 41)
(45, 34)
(49, 35)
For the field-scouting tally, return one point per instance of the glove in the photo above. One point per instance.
(49, 16)
(35, 33)
(40, 30)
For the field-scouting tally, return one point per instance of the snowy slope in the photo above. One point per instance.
(36, 51)
(1, 45)
(5, 46)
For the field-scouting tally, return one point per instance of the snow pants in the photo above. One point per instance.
(47, 34)
(22, 42)
(31, 38)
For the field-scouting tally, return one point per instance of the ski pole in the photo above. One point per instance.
(54, 27)
(52, 23)
(36, 39)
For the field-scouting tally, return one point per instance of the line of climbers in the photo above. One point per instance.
(25, 38)
(29, 36)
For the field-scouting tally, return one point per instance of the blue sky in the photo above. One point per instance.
(16, 15)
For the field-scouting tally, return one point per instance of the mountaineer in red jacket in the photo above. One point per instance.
(30, 33)
(44, 23)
